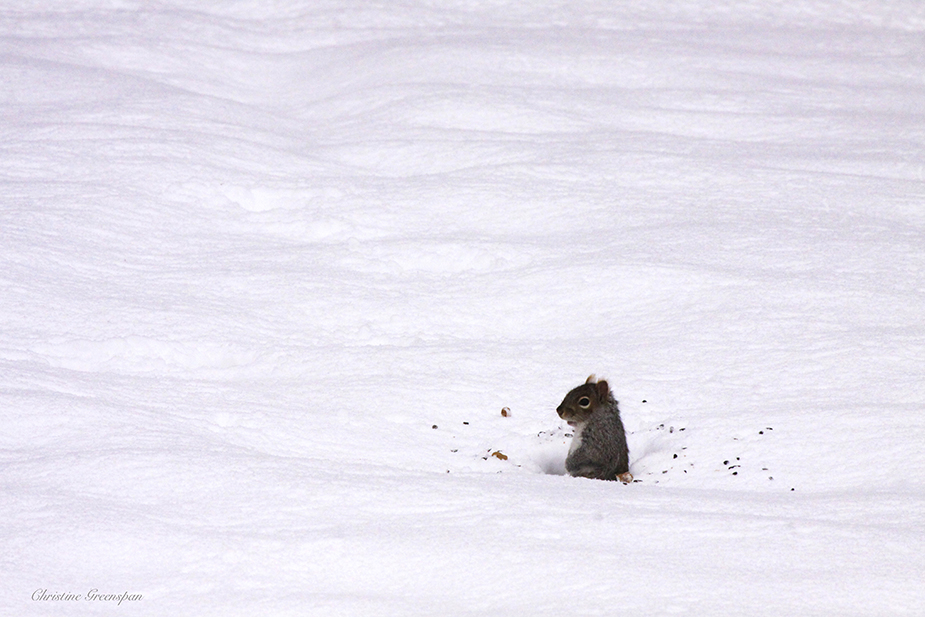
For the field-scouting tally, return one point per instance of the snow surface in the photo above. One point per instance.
(269, 271)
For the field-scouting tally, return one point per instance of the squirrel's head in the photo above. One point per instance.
(580, 403)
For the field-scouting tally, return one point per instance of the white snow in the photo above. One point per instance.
(270, 270)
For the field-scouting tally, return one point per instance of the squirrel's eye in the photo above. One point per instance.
(584, 401)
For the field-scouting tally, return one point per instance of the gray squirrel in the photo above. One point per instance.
(598, 447)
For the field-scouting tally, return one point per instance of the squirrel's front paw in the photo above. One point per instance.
(625, 478)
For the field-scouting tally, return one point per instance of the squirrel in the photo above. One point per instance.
(598, 449)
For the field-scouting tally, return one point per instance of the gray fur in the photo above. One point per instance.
(599, 447)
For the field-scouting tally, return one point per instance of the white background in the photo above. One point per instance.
(270, 270)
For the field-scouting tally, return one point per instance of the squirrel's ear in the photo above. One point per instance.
(603, 389)
(591, 379)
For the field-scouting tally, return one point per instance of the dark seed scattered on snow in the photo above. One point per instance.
(434, 426)
(466, 423)
(675, 456)
(725, 462)
(735, 473)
